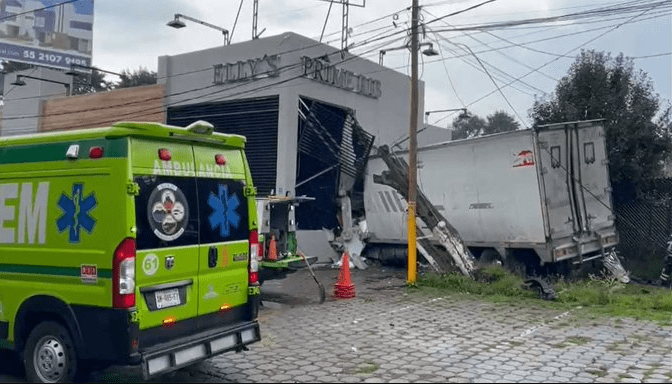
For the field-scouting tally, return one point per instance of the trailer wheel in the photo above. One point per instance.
(490, 257)
(49, 356)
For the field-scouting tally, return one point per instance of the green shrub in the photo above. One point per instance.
(603, 295)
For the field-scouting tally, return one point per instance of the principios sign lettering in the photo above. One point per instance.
(326, 73)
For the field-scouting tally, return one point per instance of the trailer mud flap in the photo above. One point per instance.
(202, 347)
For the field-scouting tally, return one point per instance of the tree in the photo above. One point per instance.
(598, 86)
(468, 126)
(136, 78)
(92, 83)
(500, 121)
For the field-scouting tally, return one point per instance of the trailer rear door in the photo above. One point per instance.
(591, 177)
(556, 169)
(576, 179)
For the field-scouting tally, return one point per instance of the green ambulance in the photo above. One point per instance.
(131, 244)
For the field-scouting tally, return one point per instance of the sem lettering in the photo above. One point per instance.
(31, 225)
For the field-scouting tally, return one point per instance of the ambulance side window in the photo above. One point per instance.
(166, 212)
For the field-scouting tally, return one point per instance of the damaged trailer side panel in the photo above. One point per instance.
(545, 190)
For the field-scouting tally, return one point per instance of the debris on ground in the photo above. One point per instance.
(544, 289)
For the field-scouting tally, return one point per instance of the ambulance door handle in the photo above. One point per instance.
(212, 257)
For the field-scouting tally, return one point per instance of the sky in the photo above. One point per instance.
(488, 60)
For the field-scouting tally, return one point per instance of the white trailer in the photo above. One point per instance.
(545, 190)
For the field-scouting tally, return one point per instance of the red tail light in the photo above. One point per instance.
(253, 266)
(164, 154)
(123, 274)
(96, 152)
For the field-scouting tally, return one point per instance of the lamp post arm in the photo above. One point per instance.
(41, 79)
(446, 110)
(224, 31)
(407, 46)
(67, 86)
(95, 69)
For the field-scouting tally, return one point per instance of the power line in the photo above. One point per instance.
(566, 53)
(595, 14)
(496, 85)
(378, 38)
(10, 17)
(331, 4)
(135, 113)
(233, 29)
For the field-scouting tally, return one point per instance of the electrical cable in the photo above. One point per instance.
(496, 85)
(164, 107)
(503, 54)
(13, 16)
(269, 85)
(236, 21)
(479, 68)
(566, 53)
(331, 3)
(597, 13)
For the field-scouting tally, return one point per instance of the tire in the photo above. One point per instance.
(50, 356)
(490, 257)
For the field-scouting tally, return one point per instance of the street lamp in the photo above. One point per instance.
(462, 115)
(427, 52)
(177, 23)
(19, 82)
(73, 72)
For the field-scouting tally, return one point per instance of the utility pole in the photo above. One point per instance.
(412, 150)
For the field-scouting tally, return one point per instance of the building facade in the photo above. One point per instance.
(311, 115)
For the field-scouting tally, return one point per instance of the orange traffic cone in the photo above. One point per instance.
(344, 288)
(272, 249)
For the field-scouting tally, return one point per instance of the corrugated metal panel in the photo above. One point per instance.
(256, 119)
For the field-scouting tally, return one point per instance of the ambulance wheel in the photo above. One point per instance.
(50, 355)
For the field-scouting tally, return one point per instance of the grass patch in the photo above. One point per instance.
(601, 372)
(601, 296)
(616, 345)
(579, 340)
(367, 368)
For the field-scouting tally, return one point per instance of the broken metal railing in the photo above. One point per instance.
(456, 252)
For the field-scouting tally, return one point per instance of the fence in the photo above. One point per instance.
(644, 223)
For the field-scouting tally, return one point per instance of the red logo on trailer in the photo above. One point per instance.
(524, 159)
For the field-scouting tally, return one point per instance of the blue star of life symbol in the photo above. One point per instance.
(223, 211)
(76, 212)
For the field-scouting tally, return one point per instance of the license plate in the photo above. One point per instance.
(167, 298)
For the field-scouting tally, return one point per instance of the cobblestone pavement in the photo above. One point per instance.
(391, 334)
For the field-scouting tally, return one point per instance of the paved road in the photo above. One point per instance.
(390, 334)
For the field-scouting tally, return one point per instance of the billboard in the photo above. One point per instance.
(51, 33)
